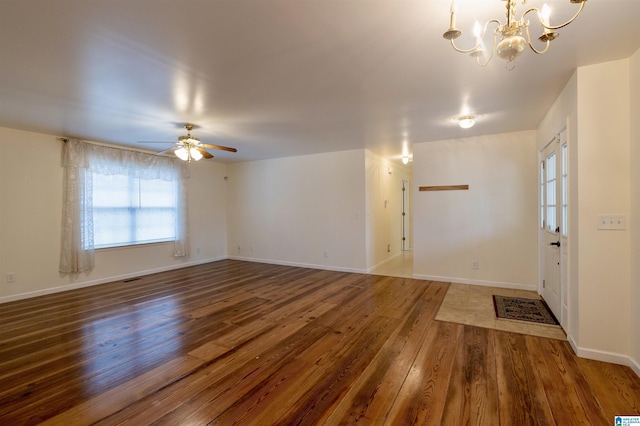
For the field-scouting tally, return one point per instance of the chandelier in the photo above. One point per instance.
(511, 38)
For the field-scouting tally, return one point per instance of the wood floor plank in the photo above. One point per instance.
(472, 396)
(423, 393)
(220, 388)
(321, 399)
(121, 396)
(522, 399)
(234, 342)
(570, 397)
(375, 391)
(616, 387)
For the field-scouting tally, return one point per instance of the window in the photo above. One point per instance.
(129, 210)
(114, 197)
(551, 192)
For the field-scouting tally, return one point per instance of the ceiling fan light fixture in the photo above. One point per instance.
(195, 154)
(182, 154)
(190, 148)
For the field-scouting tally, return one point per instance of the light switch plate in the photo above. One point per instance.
(611, 222)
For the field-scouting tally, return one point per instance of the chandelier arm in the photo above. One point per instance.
(554, 27)
(533, 9)
(494, 21)
(539, 52)
(557, 27)
(457, 49)
(478, 45)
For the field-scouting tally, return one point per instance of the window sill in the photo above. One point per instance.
(132, 246)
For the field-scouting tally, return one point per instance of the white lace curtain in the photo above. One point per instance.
(80, 161)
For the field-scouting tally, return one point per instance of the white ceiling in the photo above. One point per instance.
(282, 77)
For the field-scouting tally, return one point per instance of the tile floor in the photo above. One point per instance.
(398, 266)
(472, 304)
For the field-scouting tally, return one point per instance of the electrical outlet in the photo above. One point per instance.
(475, 264)
(326, 254)
(11, 277)
(238, 249)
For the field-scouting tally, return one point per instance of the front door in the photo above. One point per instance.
(554, 209)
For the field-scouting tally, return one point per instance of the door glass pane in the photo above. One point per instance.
(565, 193)
(542, 195)
(551, 192)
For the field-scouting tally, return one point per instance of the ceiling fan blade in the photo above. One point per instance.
(222, 148)
(166, 151)
(154, 142)
(204, 152)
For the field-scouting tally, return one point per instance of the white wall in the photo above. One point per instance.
(603, 175)
(634, 221)
(384, 208)
(494, 222)
(294, 210)
(595, 107)
(30, 219)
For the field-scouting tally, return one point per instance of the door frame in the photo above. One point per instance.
(562, 139)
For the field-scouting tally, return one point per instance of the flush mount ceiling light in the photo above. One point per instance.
(466, 121)
(405, 148)
(512, 43)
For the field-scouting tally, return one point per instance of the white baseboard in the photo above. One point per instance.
(299, 265)
(499, 284)
(605, 356)
(635, 366)
(598, 355)
(572, 342)
(387, 260)
(105, 280)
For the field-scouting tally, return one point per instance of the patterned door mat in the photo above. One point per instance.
(523, 309)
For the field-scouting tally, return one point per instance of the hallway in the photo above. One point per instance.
(398, 266)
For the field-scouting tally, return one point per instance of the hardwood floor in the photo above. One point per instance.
(235, 342)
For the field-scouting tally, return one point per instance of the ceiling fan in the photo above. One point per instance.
(190, 148)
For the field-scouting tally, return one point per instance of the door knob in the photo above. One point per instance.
(557, 244)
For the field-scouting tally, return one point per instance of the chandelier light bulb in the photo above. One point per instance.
(477, 29)
(545, 14)
(405, 159)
